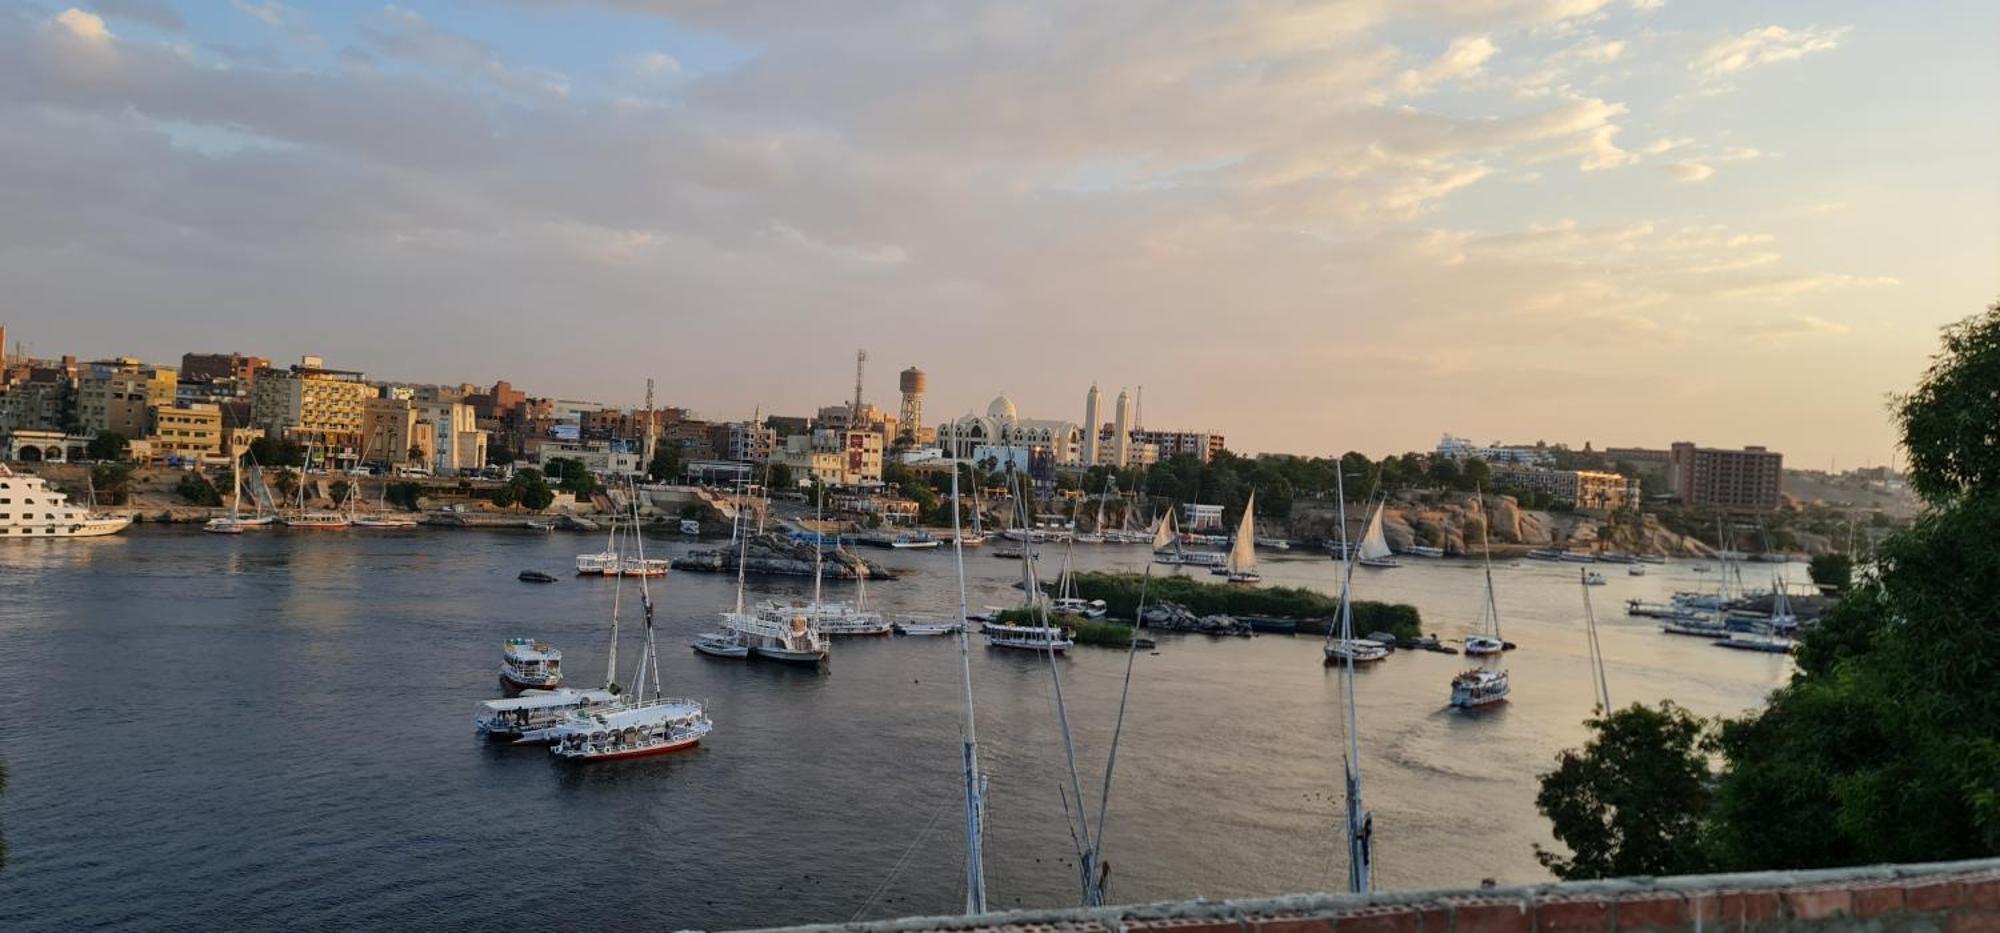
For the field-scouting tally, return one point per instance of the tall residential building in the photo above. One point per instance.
(1091, 426)
(1747, 480)
(209, 367)
(117, 395)
(1461, 450)
(311, 404)
(1200, 445)
(1121, 439)
(910, 418)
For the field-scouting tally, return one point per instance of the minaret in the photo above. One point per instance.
(1121, 440)
(1091, 426)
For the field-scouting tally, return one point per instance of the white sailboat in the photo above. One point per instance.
(313, 518)
(604, 563)
(834, 618)
(1375, 550)
(231, 524)
(1241, 566)
(1486, 640)
(1341, 645)
(728, 643)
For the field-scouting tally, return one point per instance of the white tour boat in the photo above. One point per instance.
(30, 509)
(1593, 578)
(771, 634)
(1478, 687)
(644, 567)
(529, 717)
(1357, 650)
(638, 730)
(721, 645)
(1423, 550)
(690, 526)
(529, 664)
(1027, 637)
(927, 628)
(604, 563)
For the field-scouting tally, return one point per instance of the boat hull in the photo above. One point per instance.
(515, 684)
(629, 753)
(1460, 701)
(790, 656)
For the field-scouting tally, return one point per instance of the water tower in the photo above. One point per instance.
(912, 382)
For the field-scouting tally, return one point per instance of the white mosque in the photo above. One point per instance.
(977, 437)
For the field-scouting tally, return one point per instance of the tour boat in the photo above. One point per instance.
(1423, 550)
(834, 618)
(385, 521)
(1357, 650)
(1593, 578)
(320, 520)
(1579, 557)
(1374, 551)
(603, 563)
(1652, 558)
(1698, 626)
(1241, 564)
(644, 567)
(1027, 637)
(721, 645)
(45, 513)
(1478, 687)
(1274, 544)
(914, 540)
(927, 628)
(1087, 608)
(1545, 553)
(771, 634)
(529, 664)
(639, 730)
(528, 718)
(1636, 570)
(1215, 559)
(690, 526)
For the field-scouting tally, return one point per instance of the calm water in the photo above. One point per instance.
(274, 730)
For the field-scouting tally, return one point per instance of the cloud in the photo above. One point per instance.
(1765, 46)
(1690, 171)
(1794, 328)
(1665, 144)
(1464, 59)
(86, 26)
(398, 34)
(1647, 6)
(153, 13)
(653, 65)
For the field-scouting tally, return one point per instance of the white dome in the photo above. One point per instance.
(1002, 409)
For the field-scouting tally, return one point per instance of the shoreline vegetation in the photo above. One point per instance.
(1314, 611)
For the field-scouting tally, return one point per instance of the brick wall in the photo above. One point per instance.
(1951, 897)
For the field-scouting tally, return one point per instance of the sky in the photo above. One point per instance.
(1313, 227)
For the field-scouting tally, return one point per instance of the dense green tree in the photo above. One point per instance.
(777, 476)
(1833, 570)
(109, 446)
(1478, 475)
(526, 488)
(665, 466)
(195, 489)
(506, 496)
(111, 483)
(573, 476)
(1631, 801)
(405, 495)
(277, 452)
(498, 454)
(1885, 747)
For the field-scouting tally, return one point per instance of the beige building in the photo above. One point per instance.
(389, 429)
(193, 432)
(456, 441)
(839, 458)
(311, 404)
(118, 395)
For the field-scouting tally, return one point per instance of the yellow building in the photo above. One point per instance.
(193, 432)
(118, 395)
(389, 429)
(312, 404)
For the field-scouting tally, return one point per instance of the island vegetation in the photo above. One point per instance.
(1884, 746)
(1313, 610)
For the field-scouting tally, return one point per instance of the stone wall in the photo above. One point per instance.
(1950, 897)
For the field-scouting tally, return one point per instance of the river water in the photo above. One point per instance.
(273, 730)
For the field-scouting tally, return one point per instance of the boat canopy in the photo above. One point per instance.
(525, 649)
(547, 699)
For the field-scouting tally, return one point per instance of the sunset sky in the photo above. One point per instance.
(1313, 226)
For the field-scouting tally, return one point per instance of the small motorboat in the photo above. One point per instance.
(1593, 578)
(1636, 570)
(534, 576)
(690, 526)
(721, 645)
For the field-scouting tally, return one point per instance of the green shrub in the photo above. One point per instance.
(1313, 610)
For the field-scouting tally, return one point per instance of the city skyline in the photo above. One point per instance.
(1623, 223)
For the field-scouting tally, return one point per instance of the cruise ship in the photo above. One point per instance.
(30, 509)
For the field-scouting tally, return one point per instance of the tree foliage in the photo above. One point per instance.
(111, 483)
(778, 476)
(277, 452)
(195, 489)
(572, 476)
(1948, 422)
(1631, 801)
(108, 445)
(526, 488)
(666, 463)
(1834, 570)
(404, 495)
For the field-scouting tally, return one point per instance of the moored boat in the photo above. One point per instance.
(534, 576)
(926, 628)
(1374, 550)
(639, 730)
(529, 664)
(725, 644)
(1357, 650)
(1027, 637)
(528, 717)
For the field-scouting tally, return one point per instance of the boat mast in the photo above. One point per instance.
(1079, 829)
(1360, 823)
(647, 654)
(819, 522)
(742, 554)
(1486, 556)
(975, 783)
(617, 586)
(1596, 650)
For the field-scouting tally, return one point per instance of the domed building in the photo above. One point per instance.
(1003, 426)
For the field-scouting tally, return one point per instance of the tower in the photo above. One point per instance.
(1121, 439)
(1091, 426)
(912, 382)
(860, 364)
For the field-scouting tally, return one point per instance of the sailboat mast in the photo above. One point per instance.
(1486, 556)
(742, 554)
(819, 523)
(1596, 650)
(975, 865)
(648, 656)
(617, 586)
(1360, 824)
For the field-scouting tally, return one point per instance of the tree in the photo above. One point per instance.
(1883, 747)
(195, 489)
(108, 445)
(415, 454)
(572, 476)
(405, 495)
(1631, 802)
(666, 464)
(112, 483)
(777, 476)
(277, 452)
(1947, 422)
(1478, 475)
(1834, 571)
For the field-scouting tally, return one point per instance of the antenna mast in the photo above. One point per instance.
(854, 414)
